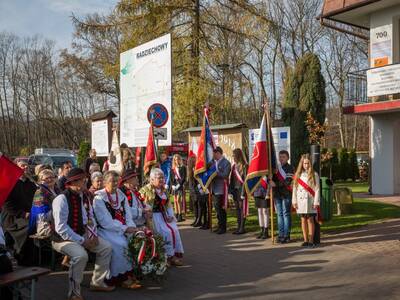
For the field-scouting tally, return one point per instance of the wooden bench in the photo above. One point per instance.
(44, 244)
(22, 281)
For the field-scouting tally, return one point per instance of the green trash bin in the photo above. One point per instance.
(326, 198)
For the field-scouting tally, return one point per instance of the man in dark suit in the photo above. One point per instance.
(15, 216)
(219, 188)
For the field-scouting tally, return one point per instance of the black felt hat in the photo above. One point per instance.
(75, 174)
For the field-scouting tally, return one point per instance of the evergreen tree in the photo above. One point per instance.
(304, 91)
(84, 149)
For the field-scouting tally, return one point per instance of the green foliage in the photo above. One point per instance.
(325, 166)
(344, 166)
(304, 91)
(25, 151)
(353, 165)
(84, 148)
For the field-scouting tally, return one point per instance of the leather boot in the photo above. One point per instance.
(262, 232)
(265, 234)
(241, 228)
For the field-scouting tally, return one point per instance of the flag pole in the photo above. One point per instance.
(209, 210)
(271, 193)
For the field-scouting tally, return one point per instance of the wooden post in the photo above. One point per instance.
(209, 210)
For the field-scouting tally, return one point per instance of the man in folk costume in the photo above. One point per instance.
(115, 222)
(219, 188)
(16, 213)
(177, 182)
(164, 221)
(141, 212)
(282, 187)
(75, 234)
(236, 188)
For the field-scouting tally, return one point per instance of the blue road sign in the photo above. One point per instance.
(159, 114)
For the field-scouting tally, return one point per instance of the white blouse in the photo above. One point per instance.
(103, 216)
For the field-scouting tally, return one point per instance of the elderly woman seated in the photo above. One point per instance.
(115, 223)
(97, 182)
(164, 222)
(141, 212)
(41, 207)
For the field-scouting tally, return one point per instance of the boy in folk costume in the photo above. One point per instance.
(306, 198)
(141, 212)
(164, 222)
(236, 188)
(177, 182)
(219, 188)
(114, 219)
(75, 234)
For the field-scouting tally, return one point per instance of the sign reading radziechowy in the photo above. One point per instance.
(383, 81)
(145, 82)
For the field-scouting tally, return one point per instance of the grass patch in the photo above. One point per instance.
(356, 187)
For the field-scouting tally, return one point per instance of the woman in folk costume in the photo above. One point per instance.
(263, 204)
(97, 182)
(115, 223)
(306, 198)
(42, 200)
(238, 175)
(164, 222)
(178, 179)
(141, 212)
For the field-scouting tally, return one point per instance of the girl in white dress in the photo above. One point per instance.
(306, 198)
(115, 223)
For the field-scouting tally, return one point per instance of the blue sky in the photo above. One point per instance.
(48, 18)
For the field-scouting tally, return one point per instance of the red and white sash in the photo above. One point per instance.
(225, 195)
(176, 173)
(281, 174)
(178, 177)
(312, 193)
(245, 201)
(306, 186)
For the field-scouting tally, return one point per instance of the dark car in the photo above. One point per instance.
(55, 161)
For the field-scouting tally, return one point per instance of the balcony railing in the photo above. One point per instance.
(356, 90)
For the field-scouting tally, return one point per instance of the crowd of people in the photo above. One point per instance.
(96, 210)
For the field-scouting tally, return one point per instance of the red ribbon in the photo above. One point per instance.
(312, 193)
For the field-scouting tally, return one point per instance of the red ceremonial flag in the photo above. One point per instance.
(138, 153)
(259, 164)
(9, 175)
(150, 158)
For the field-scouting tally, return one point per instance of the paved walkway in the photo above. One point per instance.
(360, 264)
(395, 200)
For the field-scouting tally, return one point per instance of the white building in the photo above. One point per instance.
(381, 18)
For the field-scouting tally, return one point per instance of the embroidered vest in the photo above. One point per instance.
(75, 215)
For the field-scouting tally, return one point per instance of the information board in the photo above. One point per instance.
(145, 80)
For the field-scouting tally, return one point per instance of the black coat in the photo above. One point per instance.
(174, 180)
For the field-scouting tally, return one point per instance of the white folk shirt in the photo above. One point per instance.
(60, 215)
(302, 197)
